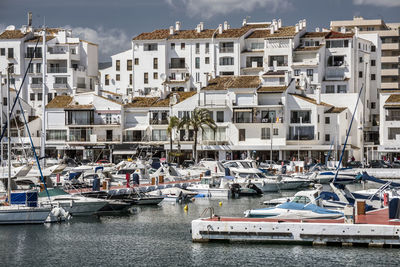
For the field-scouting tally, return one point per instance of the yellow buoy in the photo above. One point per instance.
(220, 203)
(186, 208)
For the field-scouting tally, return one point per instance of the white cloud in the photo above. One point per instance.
(110, 41)
(210, 8)
(379, 3)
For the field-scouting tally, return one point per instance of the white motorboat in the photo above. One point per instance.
(173, 194)
(210, 187)
(16, 214)
(76, 205)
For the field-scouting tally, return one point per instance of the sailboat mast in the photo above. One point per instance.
(8, 135)
(43, 136)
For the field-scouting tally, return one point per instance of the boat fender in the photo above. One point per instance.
(220, 203)
(186, 208)
(71, 203)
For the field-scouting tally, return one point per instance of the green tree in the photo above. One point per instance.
(197, 121)
(174, 122)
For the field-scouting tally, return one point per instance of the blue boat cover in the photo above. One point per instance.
(366, 177)
(98, 168)
(299, 206)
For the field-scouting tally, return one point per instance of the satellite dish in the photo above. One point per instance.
(163, 76)
(136, 47)
(10, 28)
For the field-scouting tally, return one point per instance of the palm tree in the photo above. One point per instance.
(199, 119)
(174, 122)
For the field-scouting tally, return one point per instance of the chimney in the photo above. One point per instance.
(318, 95)
(300, 25)
(304, 23)
(29, 19)
(220, 29)
(177, 26)
(198, 30)
(201, 26)
(286, 77)
(275, 24)
(225, 25)
(343, 29)
(297, 27)
(271, 29)
(244, 22)
(279, 23)
(317, 29)
(171, 30)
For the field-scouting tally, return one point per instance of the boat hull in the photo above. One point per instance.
(23, 215)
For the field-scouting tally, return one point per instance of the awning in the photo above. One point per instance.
(70, 148)
(124, 152)
(137, 128)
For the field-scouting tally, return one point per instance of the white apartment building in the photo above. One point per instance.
(390, 125)
(84, 125)
(71, 63)
(118, 78)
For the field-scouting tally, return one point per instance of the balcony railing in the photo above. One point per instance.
(33, 55)
(177, 65)
(81, 85)
(226, 50)
(57, 51)
(36, 85)
(158, 122)
(57, 69)
(104, 138)
(393, 118)
(60, 85)
(130, 138)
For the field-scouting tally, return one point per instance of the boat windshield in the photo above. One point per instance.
(301, 200)
(246, 165)
(125, 171)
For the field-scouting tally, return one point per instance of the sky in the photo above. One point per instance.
(113, 23)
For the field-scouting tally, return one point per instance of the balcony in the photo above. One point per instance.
(57, 50)
(302, 133)
(389, 72)
(60, 85)
(335, 73)
(390, 85)
(33, 55)
(393, 59)
(57, 69)
(390, 46)
(158, 122)
(81, 85)
(105, 138)
(226, 50)
(268, 120)
(177, 66)
(36, 85)
(393, 118)
(213, 102)
(130, 138)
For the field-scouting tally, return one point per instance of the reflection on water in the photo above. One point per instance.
(160, 236)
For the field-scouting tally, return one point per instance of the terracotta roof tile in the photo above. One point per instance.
(335, 110)
(60, 101)
(315, 34)
(141, 102)
(12, 34)
(275, 73)
(393, 99)
(288, 31)
(272, 89)
(218, 83)
(110, 93)
(244, 82)
(35, 38)
(339, 35)
(77, 106)
(311, 100)
(181, 96)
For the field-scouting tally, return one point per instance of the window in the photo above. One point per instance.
(155, 75)
(327, 120)
(10, 53)
(197, 63)
(150, 47)
(155, 63)
(197, 48)
(268, 116)
(373, 77)
(130, 79)
(257, 46)
(254, 62)
(2, 51)
(136, 61)
(37, 80)
(318, 118)
(177, 63)
(38, 67)
(243, 117)
(207, 48)
(225, 61)
(30, 68)
(220, 116)
(226, 73)
(226, 47)
(159, 135)
(197, 77)
(342, 89)
(117, 77)
(276, 131)
(305, 116)
(49, 97)
(265, 133)
(337, 43)
(118, 65)
(146, 77)
(172, 76)
(373, 62)
(39, 96)
(327, 137)
(335, 61)
(11, 67)
(373, 105)
(360, 74)
(330, 89)
(296, 72)
(373, 48)
(32, 97)
(56, 135)
(129, 64)
(360, 60)
(242, 134)
(4, 101)
(182, 46)
(207, 60)
(310, 72)
(280, 60)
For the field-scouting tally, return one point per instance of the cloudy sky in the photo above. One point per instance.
(112, 23)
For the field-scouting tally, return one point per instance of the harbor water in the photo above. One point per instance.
(160, 236)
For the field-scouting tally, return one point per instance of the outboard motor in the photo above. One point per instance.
(96, 183)
(135, 178)
(227, 172)
(255, 188)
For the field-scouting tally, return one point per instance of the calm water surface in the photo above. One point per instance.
(160, 236)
